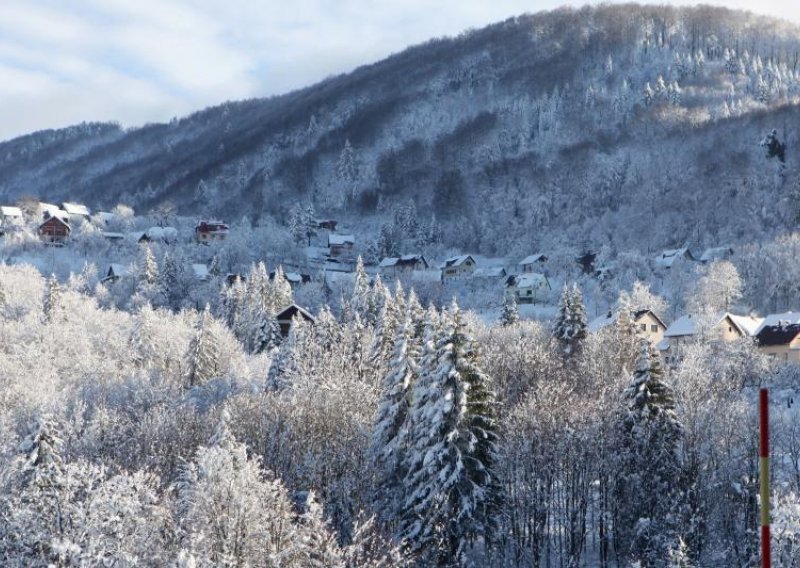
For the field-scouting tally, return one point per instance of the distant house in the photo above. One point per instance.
(114, 273)
(76, 210)
(327, 224)
(716, 253)
(232, 277)
(456, 267)
(105, 218)
(163, 234)
(395, 266)
(673, 258)
(208, 231)
(490, 273)
(11, 217)
(340, 244)
(646, 322)
(287, 315)
(532, 263)
(725, 327)
(54, 231)
(586, 260)
(779, 337)
(528, 288)
(293, 278)
(114, 237)
(201, 272)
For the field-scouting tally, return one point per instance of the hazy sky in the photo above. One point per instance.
(134, 61)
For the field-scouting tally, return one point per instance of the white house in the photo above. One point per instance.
(532, 263)
(646, 322)
(397, 265)
(528, 288)
(11, 216)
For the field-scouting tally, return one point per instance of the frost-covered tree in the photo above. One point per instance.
(149, 271)
(318, 548)
(569, 327)
(450, 486)
(510, 312)
(649, 469)
(142, 340)
(52, 300)
(202, 359)
(302, 223)
(360, 299)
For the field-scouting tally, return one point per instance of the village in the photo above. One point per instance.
(331, 259)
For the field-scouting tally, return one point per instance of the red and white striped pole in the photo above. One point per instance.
(763, 453)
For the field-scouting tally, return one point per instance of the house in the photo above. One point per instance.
(208, 231)
(646, 322)
(532, 263)
(528, 288)
(490, 273)
(201, 272)
(163, 234)
(105, 218)
(232, 277)
(395, 266)
(723, 328)
(287, 315)
(48, 210)
(114, 273)
(54, 231)
(11, 217)
(586, 260)
(779, 337)
(673, 258)
(112, 236)
(340, 244)
(76, 210)
(717, 253)
(293, 278)
(327, 225)
(456, 267)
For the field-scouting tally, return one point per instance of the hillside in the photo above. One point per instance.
(613, 128)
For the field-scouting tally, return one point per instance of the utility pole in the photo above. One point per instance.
(763, 400)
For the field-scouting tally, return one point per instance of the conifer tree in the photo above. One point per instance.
(281, 293)
(569, 328)
(510, 314)
(649, 471)
(52, 299)
(149, 266)
(142, 342)
(359, 302)
(319, 548)
(450, 486)
(202, 360)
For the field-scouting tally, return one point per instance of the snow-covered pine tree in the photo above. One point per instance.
(267, 335)
(52, 299)
(202, 359)
(319, 548)
(284, 360)
(390, 434)
(510, 313)
(142, 342)
(450, 487)
(569, 328)
(281, 296)
(649, 469)
(416, 312)
(359, 301)
(149, 266)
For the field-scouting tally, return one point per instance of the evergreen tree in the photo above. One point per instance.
(319, 548)
(649, 470)
(359, 302)
(142, 341)
(267, 335)
(149, 266)
(390, 435)
(347, 171)
(569, 328)
(450, 486)
(280, 369)
(281, 293)
(510, 313)
(202, 360)
(52, 299)
(417, 315)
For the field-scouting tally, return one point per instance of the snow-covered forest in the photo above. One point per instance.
(158, 407)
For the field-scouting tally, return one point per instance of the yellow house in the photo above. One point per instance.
(647, 324)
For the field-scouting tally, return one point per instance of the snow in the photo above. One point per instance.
(200, 271)
(748, 324)
(715, 253)
(457, 260)
(490, 272)
(9, 211)
(76, 209)
(667, 258)
(162, 233)
(601, 322)
(538, 257)
(341, 240)
(786, 318)
(530, 280)
(684, 325)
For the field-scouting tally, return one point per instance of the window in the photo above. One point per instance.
(654, 328)
(529, 292)
(643, 326)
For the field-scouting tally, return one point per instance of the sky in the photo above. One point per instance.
(138, 61)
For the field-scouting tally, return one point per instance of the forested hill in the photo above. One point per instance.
(629, 127)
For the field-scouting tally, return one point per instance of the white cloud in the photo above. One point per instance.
(149, 60)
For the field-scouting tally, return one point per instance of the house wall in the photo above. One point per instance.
(648, 326)
(460, 271)
(790, 353)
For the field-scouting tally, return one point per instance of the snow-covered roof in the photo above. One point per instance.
(746, 324)
(490, 272)
(668, 257)
(405, 259)
(118, 270)
(76, 209)
(49, 208)
(716, 253)
(112, 235)
(291, 311)
(601, 322)
(530, 280)
(341, 240)
(105, 216)
(458, 260)
(200, 271)
(786, 319)
(686, 325)
(10, 211)
(538, 257)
